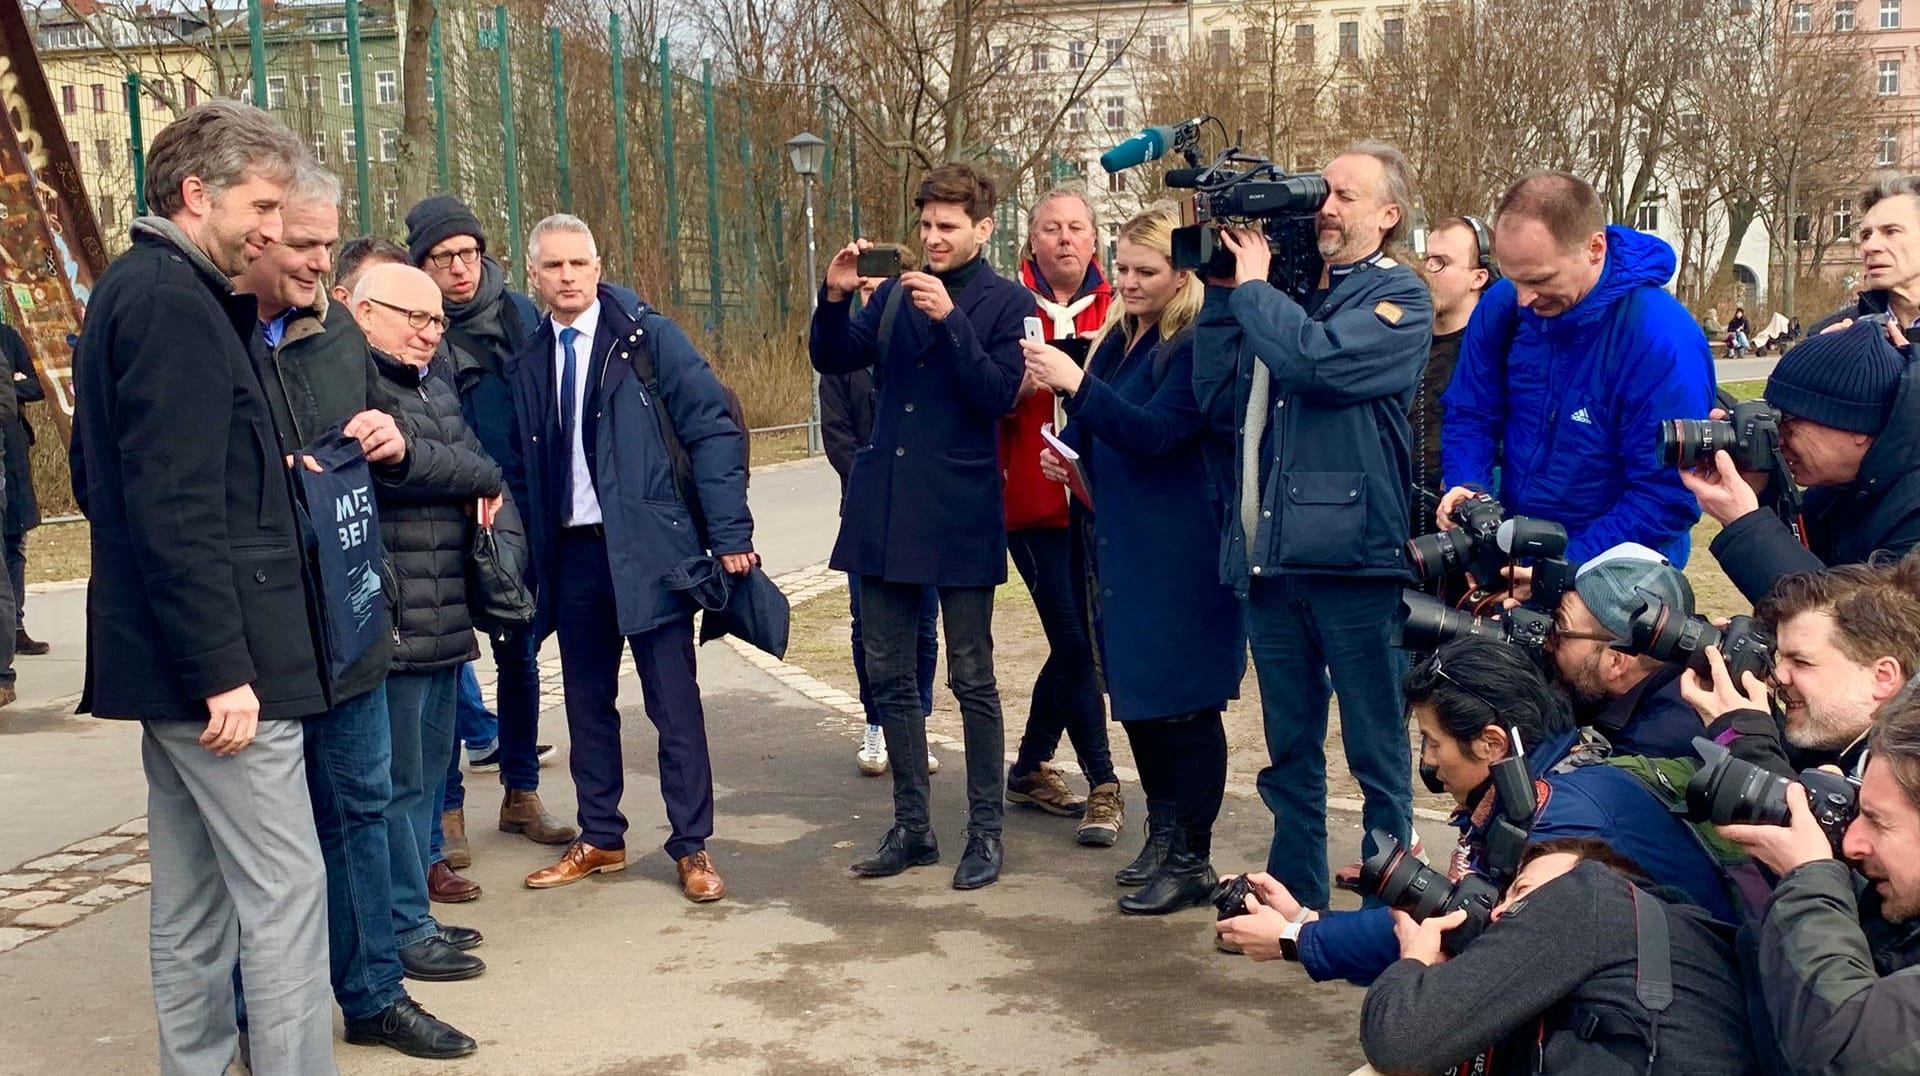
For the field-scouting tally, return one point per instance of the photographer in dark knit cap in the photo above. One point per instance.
(1850, 434)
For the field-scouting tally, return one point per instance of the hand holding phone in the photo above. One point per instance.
(1035, 331)
(880, 262)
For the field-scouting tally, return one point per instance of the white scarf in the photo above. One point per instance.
(1063, 314)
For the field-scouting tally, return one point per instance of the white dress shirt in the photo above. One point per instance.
(585, 508)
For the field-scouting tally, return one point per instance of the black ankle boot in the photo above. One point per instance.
(1186, 881)
(1153, 854)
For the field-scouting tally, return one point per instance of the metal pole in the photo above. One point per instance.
(716, 310)
(747, 234)
(437, 70)
(853, 171)
(672, 180)
(257, 46)
(780, 256)
(620, 142)
(362, 152)
(513, 143)
(136, 145)
(560, 117)
(813, 304)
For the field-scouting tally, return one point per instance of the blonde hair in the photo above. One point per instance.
(1153, 229)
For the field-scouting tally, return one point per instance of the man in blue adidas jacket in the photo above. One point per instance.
(1318, 387)
(1570, 364)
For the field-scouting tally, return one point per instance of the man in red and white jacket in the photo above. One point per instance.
(1072, 297)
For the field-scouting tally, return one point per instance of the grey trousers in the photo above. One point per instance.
(237, 877)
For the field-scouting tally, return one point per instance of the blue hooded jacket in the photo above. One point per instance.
(1572, 404)
(1595, 800)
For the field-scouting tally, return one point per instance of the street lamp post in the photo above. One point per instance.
(808, 153)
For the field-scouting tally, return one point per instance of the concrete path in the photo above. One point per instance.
(803, 969)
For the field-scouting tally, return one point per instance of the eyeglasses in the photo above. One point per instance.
(1561, 631)
(419, 319)
(446, 257)
(1435, 264)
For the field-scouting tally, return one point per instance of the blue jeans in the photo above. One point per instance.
(477, 726)
(349, 759)
(926, 653)
(421, 708)
(1301, 629)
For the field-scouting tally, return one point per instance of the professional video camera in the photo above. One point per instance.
(1728, 789)
(1656, 632)
(1239, 190)
(1486, 541)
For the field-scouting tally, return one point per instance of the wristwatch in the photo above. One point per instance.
(1290, 937)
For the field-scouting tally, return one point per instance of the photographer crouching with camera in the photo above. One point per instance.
(1841, 417)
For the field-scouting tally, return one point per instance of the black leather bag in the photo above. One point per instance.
(498, 592)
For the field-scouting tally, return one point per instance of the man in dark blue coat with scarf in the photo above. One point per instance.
(608, 520)
(923, 505)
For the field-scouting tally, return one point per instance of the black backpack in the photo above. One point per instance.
(644, 366)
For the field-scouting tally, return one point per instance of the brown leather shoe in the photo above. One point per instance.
(581, 860)
(522, 812)
(446, 887)
(698, 880)
(453, 839)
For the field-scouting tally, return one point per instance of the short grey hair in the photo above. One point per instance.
(312, 183)
(1075, 193)
(558, 222)
(221, 142)
(1887, 185)
(1396, 181)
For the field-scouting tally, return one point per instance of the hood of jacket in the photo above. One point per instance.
(1634, 259)
(170, 233)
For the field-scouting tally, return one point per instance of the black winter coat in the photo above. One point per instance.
(199, 582)
(23, 504)
(424, 520)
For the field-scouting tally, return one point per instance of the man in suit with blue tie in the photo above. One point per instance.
(607, 521)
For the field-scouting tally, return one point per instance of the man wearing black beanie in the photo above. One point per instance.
(1850, 434)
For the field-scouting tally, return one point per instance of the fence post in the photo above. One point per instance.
(437, 71)
(667, 165)
(620, 164)
(853, 171)
(716, 310)
(136, 145)
(780, 253)
(257, 49)
(560, 117)
(827, 161)
(747, 207)
(513, 144)
(362, 153)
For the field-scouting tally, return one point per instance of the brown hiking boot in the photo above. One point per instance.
(453, 839)
(1046, 789)
(1106, 814)
(522, 812)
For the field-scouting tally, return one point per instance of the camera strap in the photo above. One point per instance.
(889, 313)
(1652, 988)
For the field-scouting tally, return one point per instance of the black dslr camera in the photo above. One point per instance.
(1656, 632)
(1427, 623)
(1750, 434)
(1727, 789)
(1403, 882)
(1485, 541)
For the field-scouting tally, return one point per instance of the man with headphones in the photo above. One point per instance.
(1458, 268)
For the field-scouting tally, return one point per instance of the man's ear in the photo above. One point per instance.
(1492, 744)
(1888, 678)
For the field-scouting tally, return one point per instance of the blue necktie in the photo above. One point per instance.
(568, 418)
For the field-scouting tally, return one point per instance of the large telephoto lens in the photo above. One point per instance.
(1686, 441)
(1426, 622)
(1440, 554)
(1727, 790)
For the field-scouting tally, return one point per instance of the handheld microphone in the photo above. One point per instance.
(1150, 144)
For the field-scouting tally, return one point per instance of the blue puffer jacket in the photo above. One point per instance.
(1573, 404)
(1594, 800)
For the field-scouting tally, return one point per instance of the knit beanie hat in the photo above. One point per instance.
(1610, 585)
(1846, 379)
(432, 221)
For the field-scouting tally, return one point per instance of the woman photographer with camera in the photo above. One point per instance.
(1470, 700)
(1168, 633)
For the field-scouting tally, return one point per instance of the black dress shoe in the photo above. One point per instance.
(980, 863)
(412, 1030)
(461, 938)
(433, 960)
(901, 849)
(27, 644)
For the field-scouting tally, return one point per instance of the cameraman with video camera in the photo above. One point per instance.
(1847, 409)
(1839, 950)
(1318, 385)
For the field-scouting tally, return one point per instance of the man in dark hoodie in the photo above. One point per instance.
(486, 324)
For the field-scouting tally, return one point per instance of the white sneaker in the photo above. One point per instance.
(933, 761)
(872, 758)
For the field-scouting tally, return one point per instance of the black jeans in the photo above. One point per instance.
(1066, 697)
(1183, 761)
(890, 621)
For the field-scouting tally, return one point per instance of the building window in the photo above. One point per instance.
(386, 88)
(389, 204)
(1116, 52)
(349, 147)
(1254, 105)
(389, 144)
(1116, 112)
(163, 90)
(1220, 48)
(1117, 182)
(103, 152)
(69, 99)
(1042, 113)
(320, 148)
(1800, 20)
(1889, 83)
(346, 87)
(1256, 44)
(1889, 14)
(193, 93)
(1077, 116)
(276, 91)
(1076, 54)
(1303, 43)
(1693, 209)
(1888, 147)
(1157, 48)
(1843, 219)
(310, 86)
(1648, 218)
(1349, 41)
(1041, 60)
(1693, 126)
(998, 53)
(99, 97)
(1842, 16)
(1802, 228)
(1393, 36)
(1348, 101)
